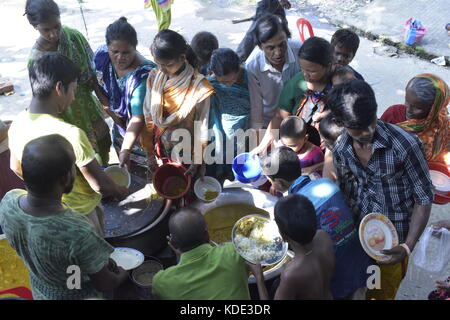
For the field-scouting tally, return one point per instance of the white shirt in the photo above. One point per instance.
(265, 83)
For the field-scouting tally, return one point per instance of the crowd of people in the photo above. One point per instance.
(314, 117)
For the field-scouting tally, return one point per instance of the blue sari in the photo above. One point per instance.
(230, 111)
(120, 93)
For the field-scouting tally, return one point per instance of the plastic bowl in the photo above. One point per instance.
(246, 168)
(170, 181)
(119, 175)
(205, 184)
(439, 196)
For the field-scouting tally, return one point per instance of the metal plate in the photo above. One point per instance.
(135, 212)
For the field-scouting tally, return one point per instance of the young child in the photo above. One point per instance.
(203, 44)
(345, 43)
(293, 134)
(329, 133)
(283, 170)
(309, 274)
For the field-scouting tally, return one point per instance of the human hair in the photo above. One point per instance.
(345, 38)
(224, 61)
(121, 30)
(287, 162)
(47, 70)
(293, 127)
(353, 104)
(45, 161)
(268, 26)
(187, 227)
(170, 45)
(343, 73)
(317, 50)
(40, 11)
(295, 216)
(203, 44)
(329, 129)
(423, 88)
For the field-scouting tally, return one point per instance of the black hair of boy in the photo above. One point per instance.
(295, 216)
(289, 167)
(45, 161)
(346, 38)
(329, 129)
(203, 44)
(49, 69)
(268, 26)
(224, 61)
(188, 228)
(353, 104)
(293, 127)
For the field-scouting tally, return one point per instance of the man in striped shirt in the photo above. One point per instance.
(381, 168)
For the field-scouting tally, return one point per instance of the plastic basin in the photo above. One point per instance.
(246, 168)
(170, 181)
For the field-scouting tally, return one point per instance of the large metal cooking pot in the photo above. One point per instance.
(140, 221)
(248, 196)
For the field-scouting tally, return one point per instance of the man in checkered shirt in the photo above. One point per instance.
(381, 168)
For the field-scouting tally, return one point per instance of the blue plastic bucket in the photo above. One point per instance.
(246, 168)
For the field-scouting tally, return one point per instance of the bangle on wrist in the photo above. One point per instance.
(405, 246)
(125, 150)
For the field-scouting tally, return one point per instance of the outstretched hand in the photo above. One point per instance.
(256, 269)
(397, 254)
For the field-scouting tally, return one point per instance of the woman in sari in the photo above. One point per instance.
(230, 109)
(425, 114)
(123, 73)
(177, 97)
(85, 112)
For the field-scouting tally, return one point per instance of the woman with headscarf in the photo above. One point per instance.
(425, 114)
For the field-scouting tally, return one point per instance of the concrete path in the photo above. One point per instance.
(386, 18)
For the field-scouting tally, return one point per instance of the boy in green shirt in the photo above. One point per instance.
(203, 272)
(64, 255)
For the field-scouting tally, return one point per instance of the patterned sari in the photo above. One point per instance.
(120, 92)
(230, 111)
(85, 111)
(434, 130)
(175, 103)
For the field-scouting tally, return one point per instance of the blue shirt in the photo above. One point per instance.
(334, 217)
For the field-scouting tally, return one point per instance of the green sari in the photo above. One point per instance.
(85, 111)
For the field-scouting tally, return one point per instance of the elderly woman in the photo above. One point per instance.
(425, 114)
(122, 73)
(85, 111)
